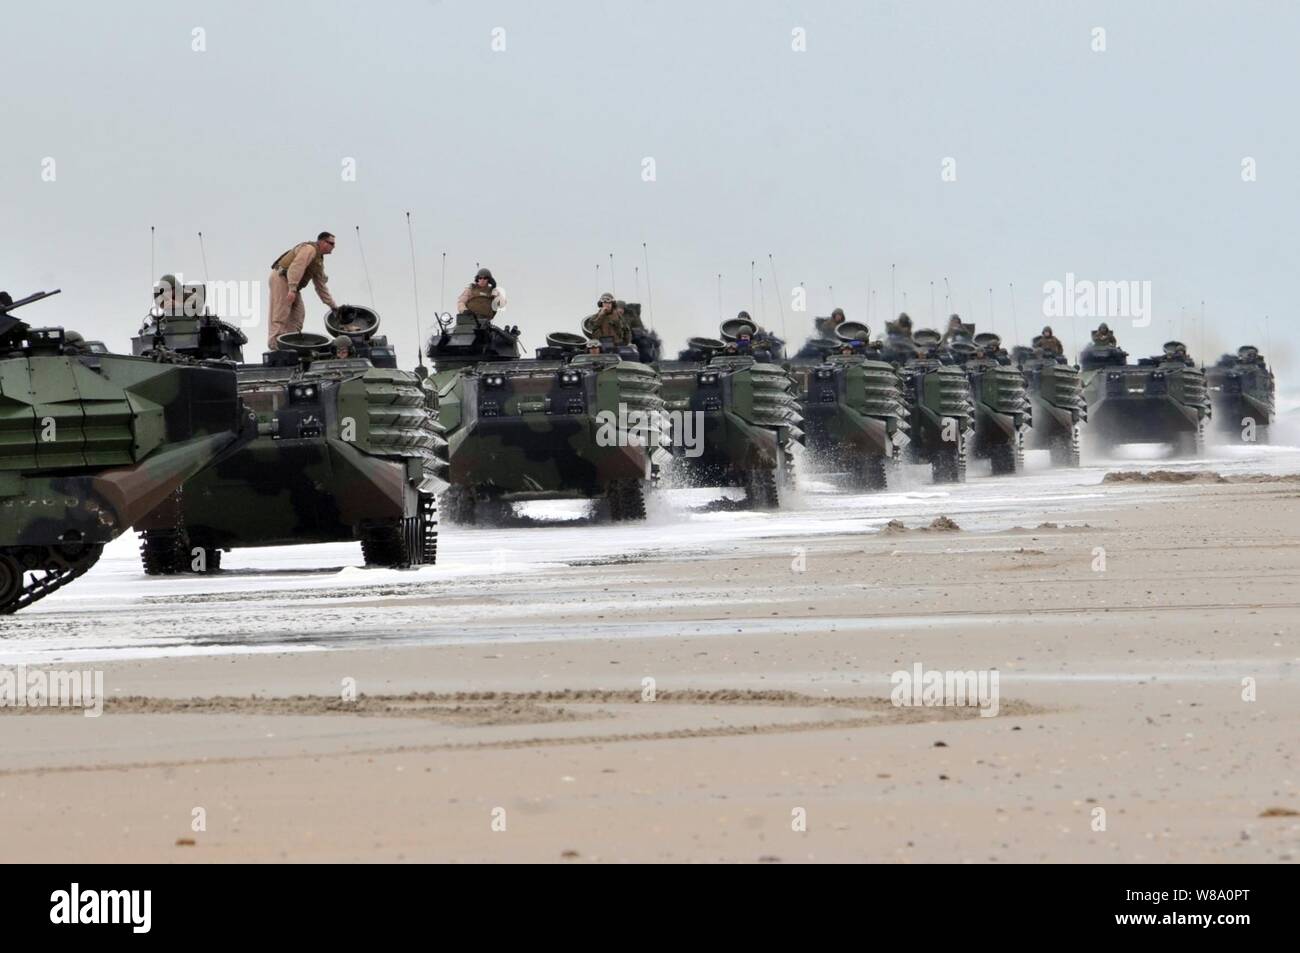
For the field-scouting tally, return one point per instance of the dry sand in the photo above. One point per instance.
(1120, 690)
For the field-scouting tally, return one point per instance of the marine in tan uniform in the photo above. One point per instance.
(1104, 336)
(481, 298)
(606, 323)
(1049, 342)
(290, 273)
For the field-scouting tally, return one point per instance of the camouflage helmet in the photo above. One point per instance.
(954, 320)
(905, 321)
(1103, 328)
(837, 313)
(745, 329)
(604, 299)
(1047, 331)
(342, 341)
(73, 337)
(744, 315)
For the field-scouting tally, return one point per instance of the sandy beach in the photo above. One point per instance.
(728, 702)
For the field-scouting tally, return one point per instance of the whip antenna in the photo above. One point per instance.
(153, 274)
(780, 304)
(1202, 333)
(442, 288)
(365, 267)
(204, 256)
(1015, 330)
(893, 304)
(649, 296)
(612, 288)
(415, 293)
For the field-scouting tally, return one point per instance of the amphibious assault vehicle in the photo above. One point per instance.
(855, 418)
(1002, 409)
(1161, 399)
(90, 442)
(1055, 390)
(567, 424)
(735, 417)
(941, 408)
(1242, 392)
(347, 448)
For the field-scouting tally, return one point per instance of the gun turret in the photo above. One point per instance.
(9, 324)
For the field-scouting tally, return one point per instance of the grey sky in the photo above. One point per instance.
(1124, 164)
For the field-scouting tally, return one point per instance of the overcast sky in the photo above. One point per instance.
(1125, 164)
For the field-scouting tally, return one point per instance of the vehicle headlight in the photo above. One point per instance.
(570, 378)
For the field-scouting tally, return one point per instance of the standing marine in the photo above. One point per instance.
(607, 323)
(902, 327)
(1050, 343)
(1104, 336)
(290, 273)
(955, 328)
(482, 298)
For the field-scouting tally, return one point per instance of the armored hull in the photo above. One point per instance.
(941, 413)
(855, 419)
(1242, 394)
(749, 419)
(345, 451)
(90, 444)
(1002, 414)
(1155, 401)
(1057, 408)
(584, 427)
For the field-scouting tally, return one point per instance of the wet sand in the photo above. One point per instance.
(767, 733)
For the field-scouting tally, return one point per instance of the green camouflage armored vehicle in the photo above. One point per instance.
(1002, 409)
(579, 421)
(855, 419)
(1242, 391)
(735, 418)
(1056, 403)
(90, 442)
(348, 448)
(1161, 399)
(938, 396)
